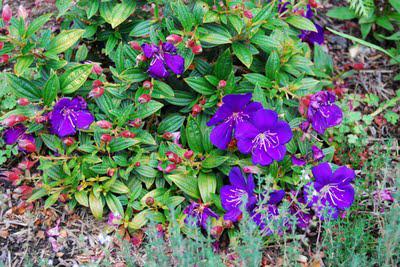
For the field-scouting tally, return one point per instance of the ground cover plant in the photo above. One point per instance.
(205, 130)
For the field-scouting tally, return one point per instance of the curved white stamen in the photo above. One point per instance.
(236, 197)
(266, 140)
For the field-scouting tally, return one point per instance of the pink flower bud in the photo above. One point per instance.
(27, 145)
(96, 92)
(135, 46)
(170, 168)
(167, 136)
(22, 12)
(106, 138)
(41, 119)
(222, 84)
(248, 14)
(110, 172)
(149, 201)
(128, 134)
(4, 58)
(190, 43)
(136, 123)
(68, 141)
(14, 120)
(23, 102)
(137, 164)
(174, 39)
(97, 83)
(6, 14)
(97, 69)
(104, 124)
(188, 154)
(197, 49)
(173, 157)
(145, 98)
(26, 164)
(196, 110)
(251, 169)
(1, 45)
(140, 58)
(147, 85)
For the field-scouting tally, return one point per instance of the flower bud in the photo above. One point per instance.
(197, 49)
(248, 14)
(227, 224)
(149, 201)
(1, 45)
(27, 145)
(221, 84)
(68, 141)
(14, 120)
(22, 12)
(196, 109)
(251, 169)
(170, 168)
(147, 85)
(23, 102)
(202, 101)
(41, 119)
(174, 39)
(167, 136)
(145, 98)
(358, 66)
(173, 157)
(103, 124)
(135, 46)
(313, 3)
(4, 58)
(106, 138)
(216, 231)
(111, 172)
(188, 154)
(97, 69)
(232, 144)
(140, 58)
(26, 164)
(128, 134)
(137, 164)
(97, 83)
(190, 43)
(136, 123)
(318, 154)
(96, 92)
(6, 14)
(304, 126)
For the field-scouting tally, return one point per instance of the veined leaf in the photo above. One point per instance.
(207, 185)
(96, 205)
(63, 41)
(74, 78)
(301, 23)
(51, 89)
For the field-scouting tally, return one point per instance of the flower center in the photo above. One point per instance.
(236, 196)
(327, 193)
(266, 140)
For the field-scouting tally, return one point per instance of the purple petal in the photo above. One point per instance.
(340, 196)
(168, 47)
(12, 135)
(261, 157)
(222, 113)
(244, 145)
(335, 116)
(237, 102)
(318, 154)
(343, 175)
(250, 185)
(322, 173)
(175, 62)
(276, 196)
(157, 69)
(221, 135)
(298, 161)
(253, 107)
(65, 127)
(284, 132)
(236, 178)
(84, 119)
(246, 130)
(149, 50)
(264, 119)
(232, 215)
(277, 153)
(231, 196)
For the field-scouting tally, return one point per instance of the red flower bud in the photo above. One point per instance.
(1, 45)
(97, 83)
(68, 141)
(41, 119)
(313, 4)
(145, 98)
(188, 154)
(147, 85)
(167, 136)
(149, 201)
(22, 12)
(137, 164)
(12, 176)
(202, 101)
(197, 49)
(196, 109)
(106, 138)
(110, 172)
(6, 14)
(97, 69)
(135, 46)
(96, 92)
(227, 224)
(24, 190)
(140, 58)
(14, 120)
(136, 123)
(103, 124)
(63, 198)
(216, 231)
(221, 84)
(232, 144)
(358, 66)
(170, 168)
(4, 58)
(27, 145)
(23, 102)
(190, 43)
(174, 39)
(26, 164)
(128, 134)
(173, 157)
(248, 14)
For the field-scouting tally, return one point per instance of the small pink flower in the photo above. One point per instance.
(383, 195)
(6, 14)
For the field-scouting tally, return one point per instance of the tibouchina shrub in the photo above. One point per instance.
(131, 109)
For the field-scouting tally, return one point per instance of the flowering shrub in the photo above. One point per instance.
(132, 109)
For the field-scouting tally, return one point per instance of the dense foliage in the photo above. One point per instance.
(133, 109)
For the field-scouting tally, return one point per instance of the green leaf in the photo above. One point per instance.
(36, 24)
(207, 185)
(215, 35)
(139, 220)
(193, 134)
(395, 4)
(272, 66)
(51, 89)
(52, 142)
(162, 90)
(223, 66)
(141, 29)
(22, 64)
(146, 171)
(184, 16)
(147, 109)
(342, 12)
(213, 161)
(301, 23)
(119, 187)
(200, 85)
(171, 123)
(96, 206)
(74, 78)
(23, 88)
(37, 194)
(243, 53)
(51, 200)
(187, 184)
(63, 41)
(133, 75)
(115, 14)
(114, 204)
(120, 143)
(82, 198)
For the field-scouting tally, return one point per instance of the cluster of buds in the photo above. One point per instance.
(174, 39)
(197, 108)
(128, 134)
(196, 48)
(144, 98)
(103, 124)
(98, 89)
(14, 120)
(106, 138)
(173, 157)
(137, 123)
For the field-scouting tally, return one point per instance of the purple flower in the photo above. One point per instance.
(114, 219)
(17, 134)
(264, 136)
(298, 161)
(303, 218)
(199, 214)
(318, 154)
(235, 109)
(68, 115)
(311, 37)
(163, 56)
(331, 192)
(322, 112)
(233, 195)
